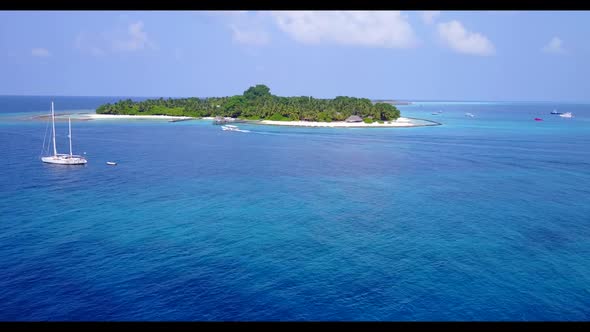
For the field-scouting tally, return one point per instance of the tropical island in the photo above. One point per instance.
(258, 105)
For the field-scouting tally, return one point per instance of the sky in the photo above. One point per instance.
(413, 55)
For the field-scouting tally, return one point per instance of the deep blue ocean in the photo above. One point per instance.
(483, 218)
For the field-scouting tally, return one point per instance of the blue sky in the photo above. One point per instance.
(447, 55)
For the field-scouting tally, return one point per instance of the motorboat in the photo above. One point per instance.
(538, 119)
(469, 115)
(112, 163)
(555, 112)
(233, 128)
(229, 127)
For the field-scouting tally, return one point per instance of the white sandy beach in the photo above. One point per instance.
(401, 122)
(122, 116)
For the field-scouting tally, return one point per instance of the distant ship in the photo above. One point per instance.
(61, 158)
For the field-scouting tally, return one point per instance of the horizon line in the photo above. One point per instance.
(372, 99)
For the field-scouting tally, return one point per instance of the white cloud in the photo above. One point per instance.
(133, 38)
(85, 43)
(249, 36)
(361, 28)
(430, 16)
(247, 28)
(136, 39)
(554, 46)
(455, 36)
(40, 52)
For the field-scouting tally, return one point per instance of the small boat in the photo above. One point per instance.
(224, 120)
(233, 128)
(555, 112)
(469, 115)
(229, 127)
(436, 113)
(538, 119)
(566, 115)
(111, 163)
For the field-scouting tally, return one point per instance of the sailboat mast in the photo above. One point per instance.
(70, 134)
(53, 123)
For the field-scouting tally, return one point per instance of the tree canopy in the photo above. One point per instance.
(258, 91)
(258, 103)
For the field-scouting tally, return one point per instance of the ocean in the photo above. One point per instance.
(483, 218)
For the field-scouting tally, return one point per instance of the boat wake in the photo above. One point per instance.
(233, 128)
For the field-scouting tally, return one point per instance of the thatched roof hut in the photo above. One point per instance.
(354, 118)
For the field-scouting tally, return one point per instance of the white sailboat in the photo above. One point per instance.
(62, 158)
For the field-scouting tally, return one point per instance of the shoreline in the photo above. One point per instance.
(402, 122)
(94, 116)
(126, 116)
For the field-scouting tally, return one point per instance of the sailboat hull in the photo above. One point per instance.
(64, 160)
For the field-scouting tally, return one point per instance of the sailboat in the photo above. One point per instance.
(62, 158)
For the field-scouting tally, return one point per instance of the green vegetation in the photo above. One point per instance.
(279, 117)
(368, 120)
(258, 103)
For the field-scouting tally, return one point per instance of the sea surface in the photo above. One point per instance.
(483, 218)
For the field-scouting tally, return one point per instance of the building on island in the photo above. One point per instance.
(354, 118)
